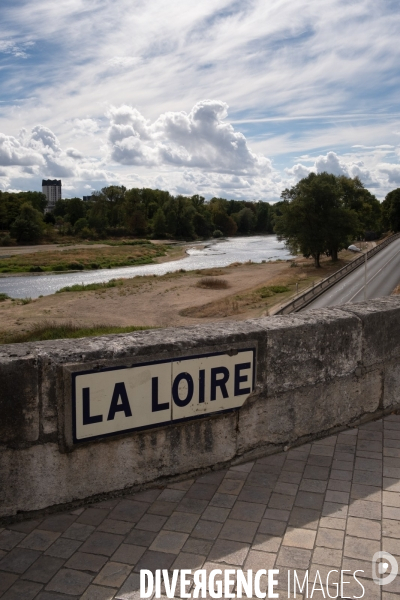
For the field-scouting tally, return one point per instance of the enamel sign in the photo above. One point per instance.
(118, 400)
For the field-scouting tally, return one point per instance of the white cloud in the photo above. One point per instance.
(199, 140)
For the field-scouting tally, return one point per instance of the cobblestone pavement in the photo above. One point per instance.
(327, 505)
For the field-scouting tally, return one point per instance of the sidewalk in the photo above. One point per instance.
(327, 505)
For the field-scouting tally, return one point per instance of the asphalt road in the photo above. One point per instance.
(383, 275)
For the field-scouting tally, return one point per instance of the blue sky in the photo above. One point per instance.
(237, 99)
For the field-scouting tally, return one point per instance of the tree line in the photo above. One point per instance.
(319, 215)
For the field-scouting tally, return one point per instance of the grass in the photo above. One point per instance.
(4, 297)
(90, 257)
(212, 283)
(53, 331)
(81, 287)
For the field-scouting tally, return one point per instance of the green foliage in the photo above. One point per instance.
(28, 226)
(4, 297)
(91, 286)
(268, 291)
(391, 211)
(5, 240)
(318, 215)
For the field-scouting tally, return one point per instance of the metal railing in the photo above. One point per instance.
(316, 290)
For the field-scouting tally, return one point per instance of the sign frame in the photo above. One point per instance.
(232, 351)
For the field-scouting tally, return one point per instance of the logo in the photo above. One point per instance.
(381, 562)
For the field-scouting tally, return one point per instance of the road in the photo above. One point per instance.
(383, 275)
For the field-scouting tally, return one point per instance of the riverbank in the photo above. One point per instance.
(173, 299)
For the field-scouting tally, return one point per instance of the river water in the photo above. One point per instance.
(215, 253)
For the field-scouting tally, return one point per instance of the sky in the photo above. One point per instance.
(236, 99)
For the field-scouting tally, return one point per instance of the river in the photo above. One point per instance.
(214, 253)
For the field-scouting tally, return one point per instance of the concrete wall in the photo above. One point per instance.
(316, 371)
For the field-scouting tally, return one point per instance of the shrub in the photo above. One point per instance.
(35, 269)
(75, 266)
(217, 233)
(212, 283)
(5, 240)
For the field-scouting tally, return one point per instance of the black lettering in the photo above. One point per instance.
(202, 377)
(175, 389)
(241, 379)
(87, 418)
(155, 407)
(119, 392)
(221, 383)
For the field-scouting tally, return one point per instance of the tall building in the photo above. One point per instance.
(52, 190)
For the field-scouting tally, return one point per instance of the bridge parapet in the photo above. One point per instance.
(204, 396)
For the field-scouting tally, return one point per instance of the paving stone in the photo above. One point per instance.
(43, 569)
(364, 528)
(247, 511)
(267, 480)
(345, 456)
(309, 500)
(272, 527)
(320, 461)
(355, 547)
(391, 485)
(247, 467)
(160, 507)
(129, 510)
(184, 522)
(366, 492)
(367, 464)
(257, 560)
(265, 468)
(391, 499)
(295, 558)
(229, 552)
(10, 539)
(389, 512)
(204, 491)
(289, 489)
(155, 560)
(25, 526)
(304, 517)
(78, 531)
(355, 564)
(341, 475)
(193, 505)
(313, 485)
(206, 530)
(259, 495)
(147, 496)
(128, 554)
(113, 526)
(339, 486)
(68, 581)
(93, 516)
(213, 478)
(367, 477)
(197, 546)
(267, 542)
(299, 537)
(365, 509)
(297, 466)
(102, 543)
(239, 531)
(151, 522)
(63, 548)
(342, 465)
(336, 496)
(58, 522)
(231, 486)
(22, 590)
(39, 540)
(334, 509)
(169, 541)
(113, 574)
(322, 450)
(140, 537)
(330, 538)
(391, 545)
(18, 560)
(186, 560)
(281, 501)
(212, 513)
(313, 472)
(290, 477)
(95, 592)
(83, 561)
(131, 589)
(236, 475)
(390, 528)
(55, 596)
(327, 556)
(6, 581)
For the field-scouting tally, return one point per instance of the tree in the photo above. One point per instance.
(391, 211)
(314, 219)
(159, 223)
(28, 226)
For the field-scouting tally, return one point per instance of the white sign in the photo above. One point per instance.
(117, 400)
